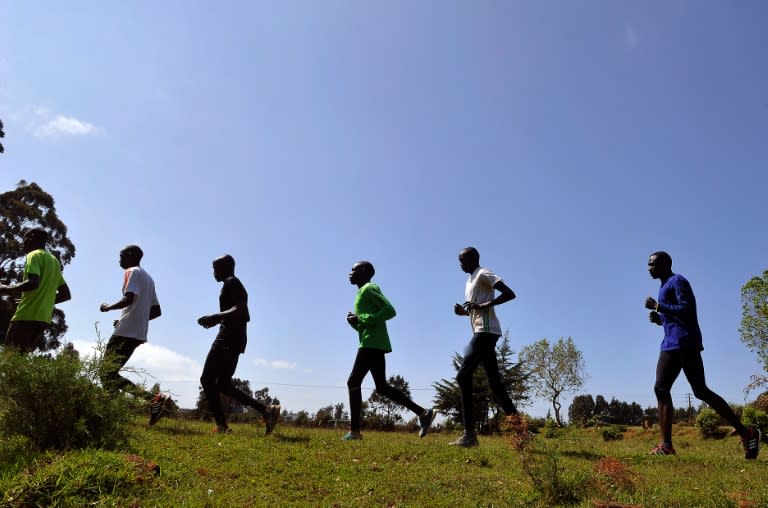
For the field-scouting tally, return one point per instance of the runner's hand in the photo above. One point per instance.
(208, 321)
(650, 303)
(654, 317)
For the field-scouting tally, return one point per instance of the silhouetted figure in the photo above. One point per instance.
(221, 362)
(372, 310)
(138, 305)
(480, 299)
(681, 350)
(43, 287)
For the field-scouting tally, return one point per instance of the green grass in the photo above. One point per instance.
(312, 467)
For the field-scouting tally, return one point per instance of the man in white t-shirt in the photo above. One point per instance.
(480, 299)
(139, 305)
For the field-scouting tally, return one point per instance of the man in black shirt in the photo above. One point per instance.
(229, 344)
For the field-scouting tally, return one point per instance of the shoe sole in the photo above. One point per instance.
(757, 448)
(425, 430)
(274, 415)
(160, 412)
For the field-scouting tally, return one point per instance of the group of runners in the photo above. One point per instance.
(43, 286)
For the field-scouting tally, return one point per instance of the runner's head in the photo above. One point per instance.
(469, 259)
(660, 264)
(223, 267)
(362, 273)
(130, 256)
(34, 239)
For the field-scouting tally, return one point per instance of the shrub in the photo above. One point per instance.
(757, 418)
(550, 428)
(708, 423)
(55, 402)
(613, 433)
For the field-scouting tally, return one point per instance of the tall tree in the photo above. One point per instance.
(581, 409)
(487, 411)
(754, 322)
(26, 207)
(556, 369)
(390, 410)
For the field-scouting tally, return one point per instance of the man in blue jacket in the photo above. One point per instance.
(681, 349)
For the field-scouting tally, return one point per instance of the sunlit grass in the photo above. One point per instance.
(313, 467)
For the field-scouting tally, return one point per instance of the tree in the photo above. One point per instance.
(556, 369)
(602, 409)
(2, 135)
(487, 411)
(754, 322)
(390, 409)
(26, 207)
(323, 416)
(581, 409)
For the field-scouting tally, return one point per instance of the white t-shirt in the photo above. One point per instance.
(479, 289)
(134, 320)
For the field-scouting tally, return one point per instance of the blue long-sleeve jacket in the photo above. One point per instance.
(677, 306)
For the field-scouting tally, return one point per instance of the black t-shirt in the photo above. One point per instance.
(232, 331)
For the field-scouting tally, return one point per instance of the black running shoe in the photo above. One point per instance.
(752, 444)
(157, 408)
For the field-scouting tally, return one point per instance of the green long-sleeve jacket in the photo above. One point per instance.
(373, 310)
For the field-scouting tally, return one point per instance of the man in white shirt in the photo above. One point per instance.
(139, 305)
(480, 299)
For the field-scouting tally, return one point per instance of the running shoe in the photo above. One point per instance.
(352, 436)
(751, 444)
(465, 441)
(157, 407)
(271, 417)
(425, 421)
(662, 450)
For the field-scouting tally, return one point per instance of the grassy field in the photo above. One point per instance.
(312, 467)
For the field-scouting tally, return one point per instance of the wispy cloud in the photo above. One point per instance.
(65, 126)
(631, 39)
(282, 364)
(42, 123)
(275, 364)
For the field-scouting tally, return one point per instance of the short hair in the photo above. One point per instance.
(37, 234)
(663, 257)
(472, 252)
(226, 261)
(134, 250)
(368, 267)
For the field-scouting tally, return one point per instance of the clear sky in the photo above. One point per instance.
(565, 140)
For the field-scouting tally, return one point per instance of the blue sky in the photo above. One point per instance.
(565, 140)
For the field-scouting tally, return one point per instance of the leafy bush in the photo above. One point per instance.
(613, 433)
(550, 428)
(708, 423)
(757, 418)
(56, 403)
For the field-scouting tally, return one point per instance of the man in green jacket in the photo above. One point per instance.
(372, 310)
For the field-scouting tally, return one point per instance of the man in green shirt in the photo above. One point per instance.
(43, 287)
(372, 310)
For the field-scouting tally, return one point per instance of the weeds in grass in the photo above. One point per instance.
(542, 465)
(81, 479)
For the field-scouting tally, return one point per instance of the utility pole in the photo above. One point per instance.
(690, 409)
